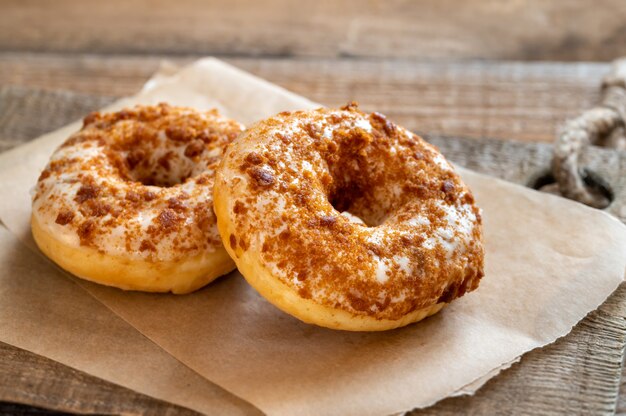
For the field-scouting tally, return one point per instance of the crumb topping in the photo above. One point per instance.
(137, 182)
(353, 212)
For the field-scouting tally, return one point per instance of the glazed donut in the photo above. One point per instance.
(347, 221)
(127, 200)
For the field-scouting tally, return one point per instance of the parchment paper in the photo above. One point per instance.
(549, 262)
(44, 312)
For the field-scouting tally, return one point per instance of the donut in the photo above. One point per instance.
(346, 220)
(127, 201)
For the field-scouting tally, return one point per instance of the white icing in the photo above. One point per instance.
(363, 124)
(429, 243)
(404, 263)
(375, 236)
(441, 162)
(217, 152)
(381, 271)
(461, 218)
(399, 298)
(457, 231)
(420, 220)
(352, 218)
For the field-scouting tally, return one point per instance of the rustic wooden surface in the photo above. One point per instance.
(31, 379)
(422, 63)
(522, 101)
(579, 374)
(506, 29)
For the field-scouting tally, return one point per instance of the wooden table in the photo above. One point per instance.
(509, 69)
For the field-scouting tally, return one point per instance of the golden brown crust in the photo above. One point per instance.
(179, 277)
(287, 180)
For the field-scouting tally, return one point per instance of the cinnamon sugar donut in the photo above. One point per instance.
(127, 200)
(347, 221)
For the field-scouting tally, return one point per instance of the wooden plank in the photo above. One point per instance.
(51, 114)
(429, 29)
(31, 379)
(579, 374)
(570, 377)
(620, 409)
(522, 101)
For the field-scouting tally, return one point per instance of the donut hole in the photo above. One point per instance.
(162, 176)
(366, 192)
(161, 181)
(353, 218)
(345, 200)
(162, 167)
(357, 193)
(153, 159)
(160, 145)
(359, 167)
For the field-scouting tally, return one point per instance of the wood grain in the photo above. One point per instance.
(51, 114)
(428, 29)
(31, 379)
(111, 48)
(561, 379)
(579, 374)
(522, 101)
